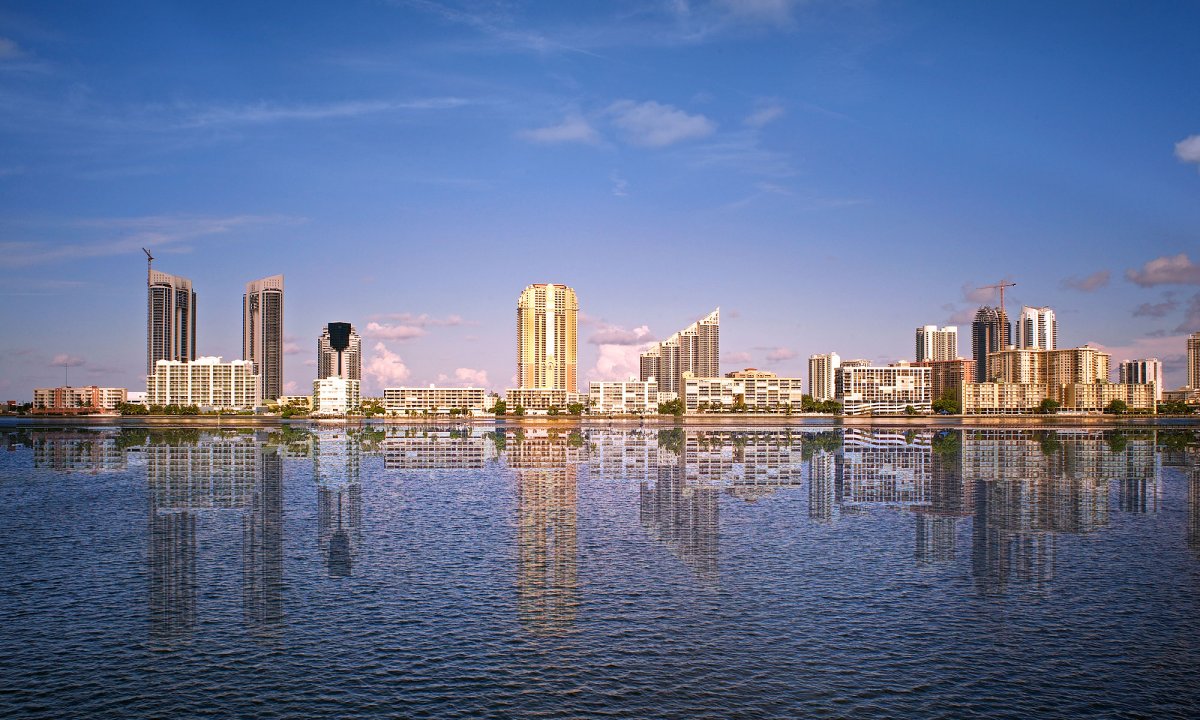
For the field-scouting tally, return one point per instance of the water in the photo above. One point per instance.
(458, 572)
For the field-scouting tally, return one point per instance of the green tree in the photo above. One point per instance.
(1117, 407)
(126, 408)
(671, 407)
(552, 410)
(948, 402)
(575, 409)
(500, 408)
(1048, 407)
(519, 411)
(910, 410)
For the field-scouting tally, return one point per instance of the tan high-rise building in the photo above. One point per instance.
(170, 319)
(1193, 360)
(548, 337)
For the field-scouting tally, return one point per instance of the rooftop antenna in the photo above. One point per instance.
(150, 261)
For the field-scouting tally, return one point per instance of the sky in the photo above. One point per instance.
(830, 174)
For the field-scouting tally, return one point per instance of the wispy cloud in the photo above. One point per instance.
(423, 320)
(1191, 316)
(393, 332)
(1156, 310)
(780, 354)
(766, 113)
(616, 335)
(652, 124)
(737, 358)
(1089, 283)
(573, 129)
(65, 360)
(264, 112)
(620, 186)
(131, 234)
(1166, 270)
(9, 50)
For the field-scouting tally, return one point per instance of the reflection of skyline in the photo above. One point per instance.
(339, 524)
(546, 469)
(885, 467)
(433, 450)
(79, 451)
(684, 517)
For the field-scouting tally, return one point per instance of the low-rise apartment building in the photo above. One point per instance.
(538, 401)
(884, 390)
(67, 399)
(754, 394)
(433, 400)
(206, 382)
(630, 397)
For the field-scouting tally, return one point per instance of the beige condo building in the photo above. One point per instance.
(433, 399)
(548, 337)
(696, 349)
(206, 382)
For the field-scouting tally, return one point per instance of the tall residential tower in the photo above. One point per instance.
(990, 333)
(696, 349)
(822, 376)
(339, 352)
(170, 319)
(934, 344)
(1193, 360)
(262, 332)
(548, 338)
(1037, 329)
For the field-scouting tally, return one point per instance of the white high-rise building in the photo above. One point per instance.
(937, 345)
(696, 349)
(1037, 329)
(1141, 372)
(335, 396)
(262, 332)
(822, 376)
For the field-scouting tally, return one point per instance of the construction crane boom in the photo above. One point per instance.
(149, 263)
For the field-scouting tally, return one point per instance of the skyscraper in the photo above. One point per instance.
(1193, 360)
(695, 349)
(339, 352)
(1037, 329)
(990, 332)
(548, 337)
(934, 344)
(170, 319)
(262, 332)
(822, 376)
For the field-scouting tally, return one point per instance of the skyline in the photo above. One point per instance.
(400, 164)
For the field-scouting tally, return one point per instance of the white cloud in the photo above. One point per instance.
(1166, 270)
(620, 185)
(651, 124)
(472, 377)
(573, 128)
(766, 114)
(291, 387)
(291, 348)
(737, 358)
(616, 335)
(393, 332)
(1188, 149)
(781, 353)
(65, 360)
(775, 12)
(310, 363)
(385, 368)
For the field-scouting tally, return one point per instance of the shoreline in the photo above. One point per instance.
(698, 421)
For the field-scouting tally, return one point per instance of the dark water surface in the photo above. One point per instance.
(413, 572)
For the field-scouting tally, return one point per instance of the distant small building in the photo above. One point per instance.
(335, 396)
(301, 402)
(78, 400)
(538, 401)
(750, 373)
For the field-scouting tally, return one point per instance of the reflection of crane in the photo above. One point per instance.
(150, 261)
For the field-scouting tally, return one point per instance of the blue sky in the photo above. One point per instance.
(831, 175)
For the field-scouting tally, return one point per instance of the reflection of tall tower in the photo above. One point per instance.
(686, 518)
(262, 546)
(1193, 535)
(336, 467)
(339, 352)
(546, 469)
(172, 571)
(339, 523)
(262, 332)
(547, 337)
(822, 485)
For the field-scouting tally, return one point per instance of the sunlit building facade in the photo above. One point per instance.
(876, 390)
(822, 376)
(433, 399)
(262, 332)
(207, 383)
(548, 337)
(696, 349)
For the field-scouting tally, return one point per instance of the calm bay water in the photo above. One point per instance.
(459, 572)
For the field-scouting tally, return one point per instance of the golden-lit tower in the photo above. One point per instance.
(548, 337)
